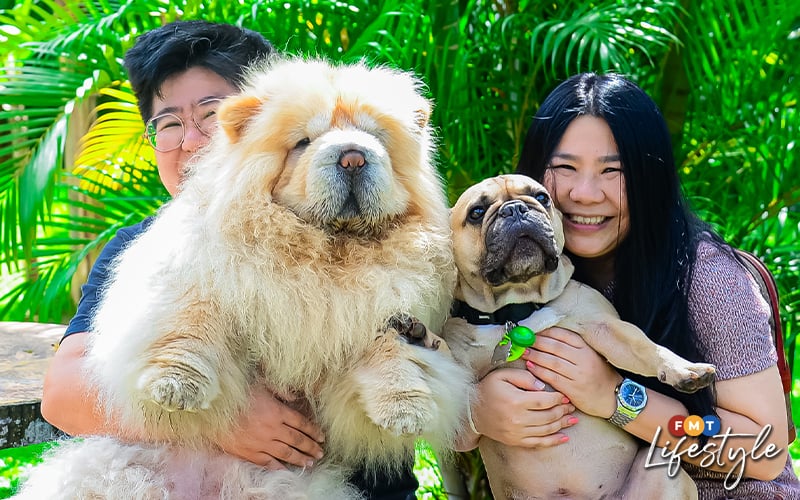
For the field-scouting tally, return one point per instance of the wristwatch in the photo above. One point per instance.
(631, 400)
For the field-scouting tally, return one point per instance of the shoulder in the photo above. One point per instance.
(99, 276)
(122, 238)
(717, 265)
(729, 314)
(130, 232)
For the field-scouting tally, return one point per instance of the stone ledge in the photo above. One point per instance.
(25, 351)
(22, 424)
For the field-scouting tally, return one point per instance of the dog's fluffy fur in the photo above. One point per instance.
(303, 241)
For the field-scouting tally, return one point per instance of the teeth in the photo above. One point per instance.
(579, 219)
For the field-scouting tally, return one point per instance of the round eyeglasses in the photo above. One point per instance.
(167, 131)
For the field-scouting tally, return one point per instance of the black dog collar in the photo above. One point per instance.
(511, 312)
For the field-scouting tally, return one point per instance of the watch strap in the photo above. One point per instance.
(622, 416)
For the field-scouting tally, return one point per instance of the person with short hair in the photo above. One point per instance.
(180, 72)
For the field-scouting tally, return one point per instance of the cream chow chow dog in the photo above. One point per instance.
(305, 251)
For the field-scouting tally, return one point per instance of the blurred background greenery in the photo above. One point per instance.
(73, 167)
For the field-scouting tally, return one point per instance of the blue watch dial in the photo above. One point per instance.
(633, 395)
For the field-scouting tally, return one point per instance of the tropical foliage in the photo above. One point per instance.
(73, 167)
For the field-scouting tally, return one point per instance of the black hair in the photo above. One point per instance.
(653, 264)
(158, 54)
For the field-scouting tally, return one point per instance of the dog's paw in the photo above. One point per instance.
(411, 330)
(175, 390)
(406, 413)
(689, 378)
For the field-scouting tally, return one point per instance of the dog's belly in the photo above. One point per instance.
(593, 464)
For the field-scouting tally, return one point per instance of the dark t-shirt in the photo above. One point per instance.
(98, 277)
(381, 487)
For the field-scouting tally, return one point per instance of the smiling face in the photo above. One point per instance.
(586, 178)
(180, 95)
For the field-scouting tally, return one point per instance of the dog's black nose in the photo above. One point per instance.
(513, 208)
(351, 160)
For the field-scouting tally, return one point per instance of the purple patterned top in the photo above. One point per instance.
(732, 321)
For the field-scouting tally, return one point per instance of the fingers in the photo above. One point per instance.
(580, 373)
(268, 462)
(296, 440)
(301, 447)
(534, 428)
(272, 435)
(551, 369)
(512, 409)
(520, 379)
(279, 454)
(304, 427)
(562, 335)
(537, 442)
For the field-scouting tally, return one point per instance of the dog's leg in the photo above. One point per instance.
(626, 346)
(190, 379)
(395, 390)
(398, 392)
(411, 330)
(656, 482)
(584, 310)
(182, 366)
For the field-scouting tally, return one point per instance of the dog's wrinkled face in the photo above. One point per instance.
(506, 230)
(350, 141)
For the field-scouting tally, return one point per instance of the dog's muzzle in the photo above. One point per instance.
(513, 210)
(519, 244)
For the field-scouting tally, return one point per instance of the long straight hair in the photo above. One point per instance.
(654, 261)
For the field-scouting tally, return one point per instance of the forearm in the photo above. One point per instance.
(747, 405)
(762, 460)
(68, 401)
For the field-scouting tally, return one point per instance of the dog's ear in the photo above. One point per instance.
(558, 227)
(234, 114)
(422, 115)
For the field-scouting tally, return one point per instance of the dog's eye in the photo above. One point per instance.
(543, 199)
(476, 214)
(302, 143)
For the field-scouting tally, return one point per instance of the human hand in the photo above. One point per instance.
(271, 434)
(514, 409)
(564, 360)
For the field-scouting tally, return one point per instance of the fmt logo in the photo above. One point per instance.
(694, 425)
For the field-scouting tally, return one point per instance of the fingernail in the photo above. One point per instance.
(572, 420)
(310, 463)
(529, 364)
(564, 439)
(318, 454)
(538, 385)
(565, 400)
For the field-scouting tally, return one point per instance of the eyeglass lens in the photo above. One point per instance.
(166, 132)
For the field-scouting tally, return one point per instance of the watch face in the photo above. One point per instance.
(632, 395)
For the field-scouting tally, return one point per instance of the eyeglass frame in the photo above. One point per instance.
(152, 142)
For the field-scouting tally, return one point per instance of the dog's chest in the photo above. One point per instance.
(318, 320)
(475, 345)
